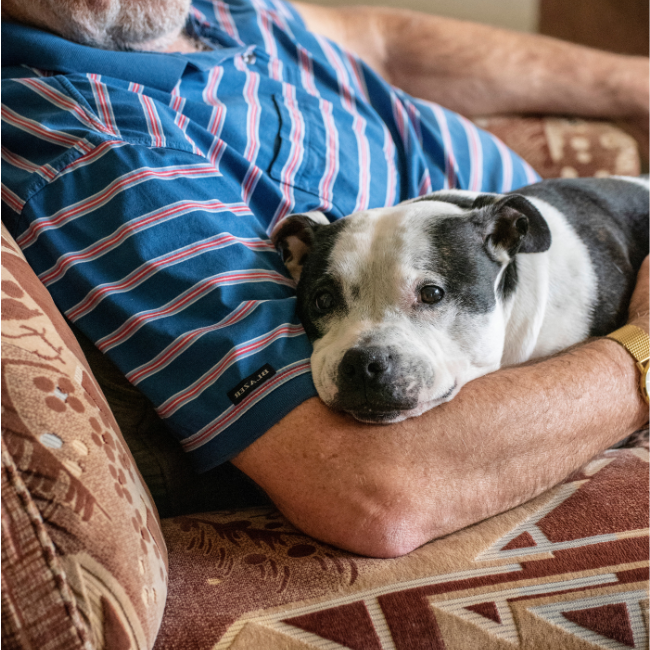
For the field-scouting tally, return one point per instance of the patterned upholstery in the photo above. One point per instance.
(84, 563)
(559, 147)
(566, 571)
(84, 555)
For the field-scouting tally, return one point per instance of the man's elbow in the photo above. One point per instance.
(375, 529)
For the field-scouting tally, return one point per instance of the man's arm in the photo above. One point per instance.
(507, 437)
(479, 70)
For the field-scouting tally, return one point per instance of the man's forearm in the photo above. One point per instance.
(508, 436)
(481, 70)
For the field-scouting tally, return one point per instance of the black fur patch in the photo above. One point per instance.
(314, 278)
(458, 255)
(611, 218)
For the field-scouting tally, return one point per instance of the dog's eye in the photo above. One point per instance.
(431, 294)
(324, 301)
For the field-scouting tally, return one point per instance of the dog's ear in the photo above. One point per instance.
(294, 237)
(462, 198)
(514, 225)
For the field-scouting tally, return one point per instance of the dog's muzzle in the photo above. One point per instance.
(371, 385)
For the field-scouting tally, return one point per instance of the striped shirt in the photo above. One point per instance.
(142, 188)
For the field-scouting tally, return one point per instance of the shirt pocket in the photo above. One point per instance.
(305, 155)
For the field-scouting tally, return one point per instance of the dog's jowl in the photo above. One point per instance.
(404, 305)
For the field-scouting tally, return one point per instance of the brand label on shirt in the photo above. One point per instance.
(250, 383)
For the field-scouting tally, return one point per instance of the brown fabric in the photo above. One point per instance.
(76, 516)
(38, 607)
(243, 580)
(560, 147)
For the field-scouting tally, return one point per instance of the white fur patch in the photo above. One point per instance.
(544, 315)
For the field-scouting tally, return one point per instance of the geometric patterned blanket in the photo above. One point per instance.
(566, 571)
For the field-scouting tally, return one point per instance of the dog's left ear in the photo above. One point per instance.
(514, 225)
(294, 237)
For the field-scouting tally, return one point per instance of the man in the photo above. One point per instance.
(142, 187)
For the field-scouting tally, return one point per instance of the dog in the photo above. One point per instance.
(404, 305)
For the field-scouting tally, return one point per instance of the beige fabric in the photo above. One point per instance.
(76, 514)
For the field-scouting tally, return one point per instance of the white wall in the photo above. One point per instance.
(514, 14)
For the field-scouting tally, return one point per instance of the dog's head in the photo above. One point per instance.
(406, 304)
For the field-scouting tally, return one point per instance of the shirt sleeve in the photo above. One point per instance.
(151, 252)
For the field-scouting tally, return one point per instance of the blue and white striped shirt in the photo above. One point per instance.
(142, 188)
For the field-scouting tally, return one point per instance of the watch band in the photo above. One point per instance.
(637, 343)
(634, 340)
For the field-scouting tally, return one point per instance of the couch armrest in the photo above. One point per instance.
(84, 563)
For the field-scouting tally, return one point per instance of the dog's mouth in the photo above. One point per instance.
(386, 413)
(371, 416)
(373, 411)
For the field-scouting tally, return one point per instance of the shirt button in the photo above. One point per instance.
(248, 58)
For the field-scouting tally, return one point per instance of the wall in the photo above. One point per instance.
(521, 15)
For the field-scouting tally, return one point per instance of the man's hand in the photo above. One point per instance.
(479, 70)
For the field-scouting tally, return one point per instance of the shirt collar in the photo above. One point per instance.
(23, 45)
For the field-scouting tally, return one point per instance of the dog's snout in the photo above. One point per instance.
(360, 364)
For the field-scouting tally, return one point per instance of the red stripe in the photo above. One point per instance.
(104, 103)
(332, 157)
(221, 423)
(34, 128)
(11, 199)
(148, 269)
(64, 102)
(170, 407)
(425, 183)
(307, 71)
(115, 188)
(250, 182)
(127, 229)
(154, 121)
(253, 142)
(28, 166)
(174, 350)
(136, 321)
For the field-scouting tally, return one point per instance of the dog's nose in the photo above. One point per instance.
(365, 364)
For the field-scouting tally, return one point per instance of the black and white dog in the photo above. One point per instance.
(405, 305)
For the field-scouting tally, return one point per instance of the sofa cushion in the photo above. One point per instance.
(561, 147)
(567, 571)
(83, 557)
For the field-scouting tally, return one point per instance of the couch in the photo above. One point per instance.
(90, 560)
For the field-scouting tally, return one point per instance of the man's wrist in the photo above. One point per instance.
(636, 342)
(625, 369)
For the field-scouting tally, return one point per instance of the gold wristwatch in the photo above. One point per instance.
(637, 343)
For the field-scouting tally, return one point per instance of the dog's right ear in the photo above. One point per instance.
(294, 237)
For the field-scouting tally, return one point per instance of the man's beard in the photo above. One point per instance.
(108, 24)
(148, 24)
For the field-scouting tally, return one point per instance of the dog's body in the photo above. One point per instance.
(404, 305)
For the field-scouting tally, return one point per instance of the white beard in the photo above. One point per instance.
(107, 24)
